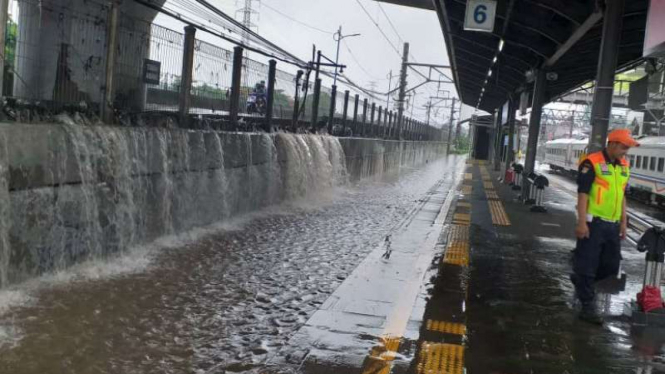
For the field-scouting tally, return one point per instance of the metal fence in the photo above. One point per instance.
(56, 55)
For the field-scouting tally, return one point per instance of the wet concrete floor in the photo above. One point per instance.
(475, 283)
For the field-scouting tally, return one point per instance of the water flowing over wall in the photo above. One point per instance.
(70, 193)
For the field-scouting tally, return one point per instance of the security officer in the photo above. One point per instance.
(601, 218)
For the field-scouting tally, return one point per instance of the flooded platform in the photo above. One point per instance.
(439, 269)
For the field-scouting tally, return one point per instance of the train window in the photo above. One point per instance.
(652, 166)
(661, 164)
(631, 158)
(638, 164)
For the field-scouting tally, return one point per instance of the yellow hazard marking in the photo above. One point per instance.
(488, 185)
(491, 195)
(462, 219)
(481, 162)
(457, 254)
(437, 358)
(468, 176)
(499, 216)
(457, 250)
(463, 204)
(466, 189)
(382, 355)
(446, 327)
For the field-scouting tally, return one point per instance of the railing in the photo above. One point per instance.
(57, 56)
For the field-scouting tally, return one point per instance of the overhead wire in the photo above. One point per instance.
(296, 20)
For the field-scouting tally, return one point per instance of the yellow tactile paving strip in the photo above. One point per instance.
(468, 176)
(462, 219)
(499, 216)
(488, 185)
(457, 250)
(446, 327)
(466, 189)
(491, 195)
(437, 358)
(382, 355)
(464, 204)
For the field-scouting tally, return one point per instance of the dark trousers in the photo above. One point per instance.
(596, 258)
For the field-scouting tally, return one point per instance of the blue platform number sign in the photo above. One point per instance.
(480, 15)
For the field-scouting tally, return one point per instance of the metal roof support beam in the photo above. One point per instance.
(577, 35)
(534, 123)
(601, 110)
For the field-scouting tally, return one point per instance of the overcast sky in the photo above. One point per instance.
(371, 57)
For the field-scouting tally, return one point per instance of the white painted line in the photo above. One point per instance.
(550, 224)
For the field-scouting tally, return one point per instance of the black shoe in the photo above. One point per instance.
(589, 314)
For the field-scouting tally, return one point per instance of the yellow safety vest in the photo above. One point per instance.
(608, 189)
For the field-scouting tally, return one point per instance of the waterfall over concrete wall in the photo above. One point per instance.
(70, 193)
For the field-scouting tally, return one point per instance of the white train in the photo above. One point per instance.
(647, 164)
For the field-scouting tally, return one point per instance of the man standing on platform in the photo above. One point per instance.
(601, 218)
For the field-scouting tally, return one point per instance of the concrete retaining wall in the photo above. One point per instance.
(70, 193)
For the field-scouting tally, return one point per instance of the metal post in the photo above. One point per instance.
(346, 111)
(362, 133)
(315, 103)
(534, 121)
(378, 121)
(331, 113)
(296, 100)
(355, 115)
(187, 70)
(402, 90)
(371, 121)
(112, 37)
(234, 103)
(272, 71)
(510, 153)
(390, 124)
(601, 111)
(450, 126)
(498, 128)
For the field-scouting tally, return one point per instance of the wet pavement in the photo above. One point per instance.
(474, 283)
(226, 302)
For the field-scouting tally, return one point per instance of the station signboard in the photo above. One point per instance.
(654, 40)
(480, 15)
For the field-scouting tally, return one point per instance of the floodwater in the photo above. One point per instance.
(224, 302)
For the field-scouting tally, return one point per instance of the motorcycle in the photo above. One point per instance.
(256, 103)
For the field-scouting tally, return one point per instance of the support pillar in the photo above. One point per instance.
(187, 71)
(534, 121)
(510, 152)
(272, 71)
(601, 110)
(498, 136)
(236, 77)
(378, 122)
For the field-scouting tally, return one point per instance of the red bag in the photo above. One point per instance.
(650, 299)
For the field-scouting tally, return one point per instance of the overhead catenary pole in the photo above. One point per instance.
(402, 90)
(601, 110)
(450, 126)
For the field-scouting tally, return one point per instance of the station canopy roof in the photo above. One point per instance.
(562, 36)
